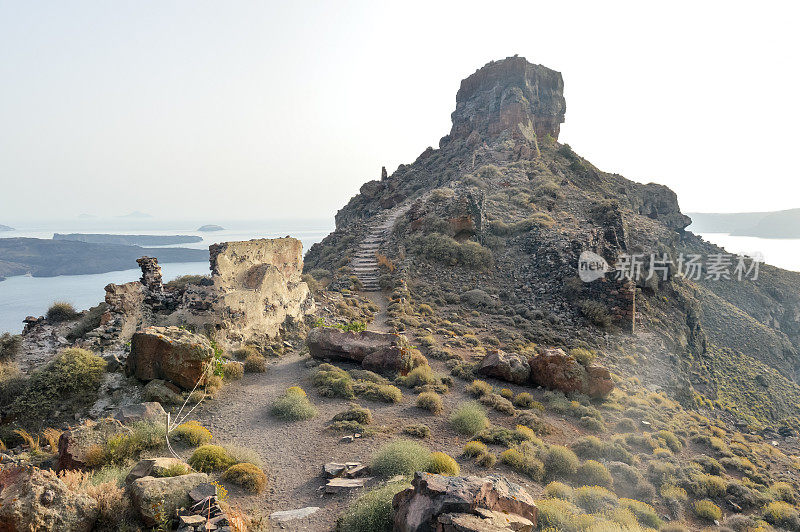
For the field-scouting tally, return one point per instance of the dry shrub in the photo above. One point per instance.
(112, 502)
(385, 262)
(249, 476)
(52, 436)
(255, 363)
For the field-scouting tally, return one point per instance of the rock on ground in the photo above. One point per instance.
(556, 370)
(169, 353)
(505, 366)
(375, 351)
(150, 412)
(425, 505)
(153, 496)
(33, 499)
(75, 444)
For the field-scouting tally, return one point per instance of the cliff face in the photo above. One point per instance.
(511, 98)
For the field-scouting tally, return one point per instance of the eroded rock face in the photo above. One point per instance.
(153, 496)
(505, 366)
(74, 445)
(511, 96)
(556, 370)
(436, 502)
(375, 351)
(258, 286)
(33, 499)
(169, 353)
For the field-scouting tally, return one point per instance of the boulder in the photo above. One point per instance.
(556, 370)
(170, 353)
(150, 412)
(153, 467)
(492, 501)
(153, 496)
(163, 392)
(34, 499)
(505, 366)
(375, 351)
(76, 445)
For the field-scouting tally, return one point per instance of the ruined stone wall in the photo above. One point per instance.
(254, 290)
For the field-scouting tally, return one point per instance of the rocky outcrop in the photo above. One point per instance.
(556, 370)
(75, 446)
(154, 497)
(505, 366)
(382, 352)
(153, 467)
(34, 499)
(150, 412)
(510, 97)
(258, 286)
(441, 503)
(170, 353)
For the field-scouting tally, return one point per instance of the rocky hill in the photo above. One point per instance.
(496, 218)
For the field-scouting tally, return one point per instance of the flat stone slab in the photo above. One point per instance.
(345, 484)
(291, 515)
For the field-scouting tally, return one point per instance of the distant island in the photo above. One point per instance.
(136, 214)
(48, 258)
(5, 228)
(129, 240)
(210, 228)
(775, 224)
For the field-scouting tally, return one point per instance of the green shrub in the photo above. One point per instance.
(418, 431)
(88, 322)
(400, 457)
(469, 418)
(583, 356)
(558, 490)
(506, 437)
(182, 281)
(10, 346)
(248, 476)
(592, 424)
(357, 413)
(707, 510)
(560, 462)
(193, 433)
(523, 462)
(255, 363)
(293, 406)
(498, 403)
(626, 424)
(126, 446)
(644, 513)
(74, 374)
(445, 249)
(782, 514)
(523, 400)
(208, 458)
(783, 491)
(673, 443)
(596, 312)
(558, 515)
(175, 470)
(486, 460)
(372, 512)
(61, 311)
(385, 393)
(479, 388)
(474, 449)
(331, 381)
(431, 402)
(244, 455)
(593, 473)
(443, 464)
(707, 486)
(594, 498)
(233, 370)
(420, 376)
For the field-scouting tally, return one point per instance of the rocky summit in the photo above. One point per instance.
(498, 336)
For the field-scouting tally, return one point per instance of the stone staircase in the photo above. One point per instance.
(365, 264)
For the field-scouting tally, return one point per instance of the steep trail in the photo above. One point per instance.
(365, 263)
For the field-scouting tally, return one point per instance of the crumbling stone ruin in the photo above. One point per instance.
(255, 289)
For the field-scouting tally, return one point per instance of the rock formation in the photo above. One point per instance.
(254, 290)
(512, 98)
(452, 504)
(556, 370)
(375, 351)
(170, 353)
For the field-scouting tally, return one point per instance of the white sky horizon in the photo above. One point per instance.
(263, 110)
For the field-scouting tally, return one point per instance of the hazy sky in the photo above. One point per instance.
(283, 109)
